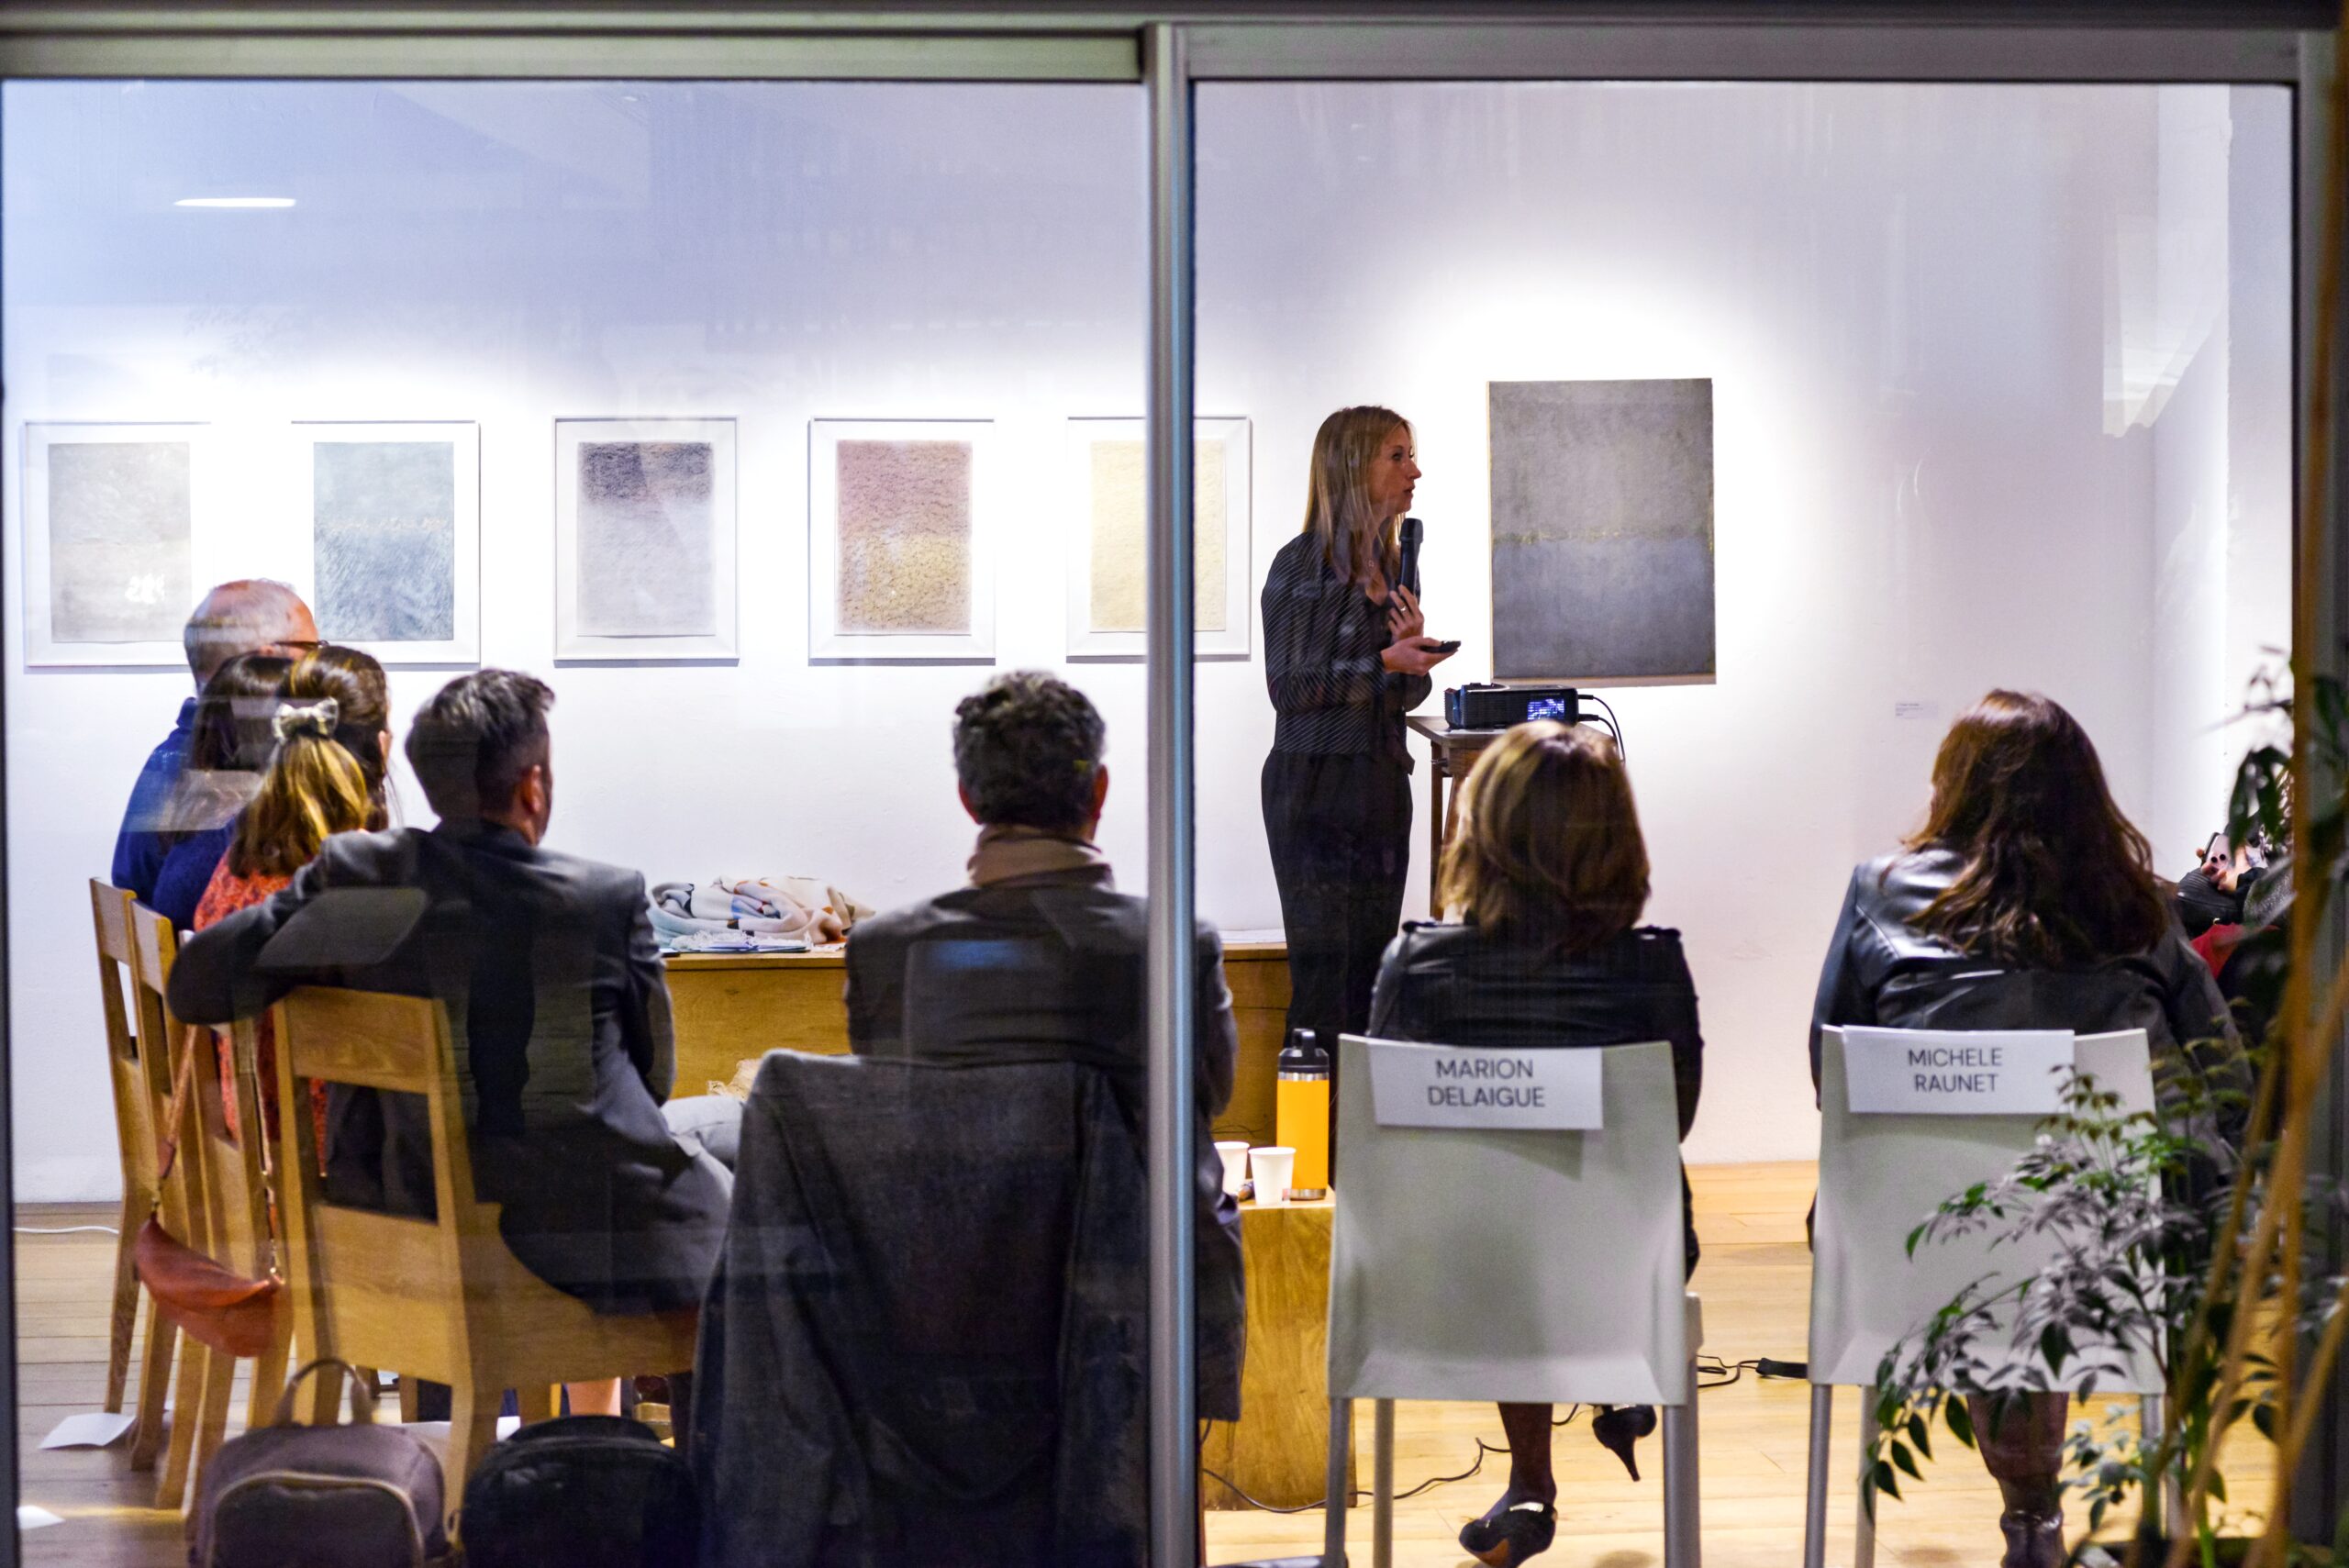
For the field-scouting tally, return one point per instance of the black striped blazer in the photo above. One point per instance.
(1322, 639)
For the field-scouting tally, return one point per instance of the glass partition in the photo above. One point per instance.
(1766, 428)
(765, 423)
(1756, 432)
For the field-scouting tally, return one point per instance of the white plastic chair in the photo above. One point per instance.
(1879, 1177)
(1478, 1265)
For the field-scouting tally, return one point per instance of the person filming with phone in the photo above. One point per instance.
(1347, 655)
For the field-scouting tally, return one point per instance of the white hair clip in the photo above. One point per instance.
(318, 718)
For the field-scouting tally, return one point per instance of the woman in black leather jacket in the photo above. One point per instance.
(1547, 877)
(2027, 901)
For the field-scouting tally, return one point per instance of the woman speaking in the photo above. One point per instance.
(1345, 658)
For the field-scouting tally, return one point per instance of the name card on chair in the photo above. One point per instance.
(1449, 1085)
(1955, 1071)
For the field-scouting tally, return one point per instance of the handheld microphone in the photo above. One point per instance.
(1412, 529)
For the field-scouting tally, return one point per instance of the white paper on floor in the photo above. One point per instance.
(31, 1518)
(507, 1427)
(96, 1428)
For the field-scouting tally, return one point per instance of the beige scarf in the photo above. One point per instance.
(1008, 853)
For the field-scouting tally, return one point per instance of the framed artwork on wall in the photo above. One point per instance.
(111, 521)
(393, 533)
(1602, 531)
(899, 559)
(1108, 575)
(645, 540)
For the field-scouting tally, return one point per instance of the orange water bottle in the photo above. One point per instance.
(1301, 1113)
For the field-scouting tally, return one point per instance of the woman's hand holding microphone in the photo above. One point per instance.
(1413, 652)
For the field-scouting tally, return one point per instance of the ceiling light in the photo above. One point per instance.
(235, 201)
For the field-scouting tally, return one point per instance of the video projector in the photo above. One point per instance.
(1486, 704)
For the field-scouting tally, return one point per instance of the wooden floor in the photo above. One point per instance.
(1753, 1434)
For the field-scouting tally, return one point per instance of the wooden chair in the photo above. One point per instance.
(226, 1198)
(441, 1298)
(138, 1070)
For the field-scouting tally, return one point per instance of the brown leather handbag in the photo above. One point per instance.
(212, 1304)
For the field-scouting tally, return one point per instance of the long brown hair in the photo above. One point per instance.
(1357, 545)
(1548, 849)
(326, 775)
(2049, 871)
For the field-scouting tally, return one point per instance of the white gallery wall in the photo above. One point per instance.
(2000, 388)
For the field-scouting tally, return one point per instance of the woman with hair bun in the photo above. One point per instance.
(326, 776)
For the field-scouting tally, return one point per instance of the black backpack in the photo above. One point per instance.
(584, 1491)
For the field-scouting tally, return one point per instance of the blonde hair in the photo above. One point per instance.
(1357, 545)
(1548, 849)
(326, 775)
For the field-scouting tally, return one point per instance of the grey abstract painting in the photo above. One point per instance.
(120, 531)
(383, 533)
(647, 528)
(1602, 530)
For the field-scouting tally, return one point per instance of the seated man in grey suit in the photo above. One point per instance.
(1041, 959)
(558, 1008)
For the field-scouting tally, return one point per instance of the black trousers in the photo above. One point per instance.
(1340, 833)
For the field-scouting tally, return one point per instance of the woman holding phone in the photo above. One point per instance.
(1346, 656)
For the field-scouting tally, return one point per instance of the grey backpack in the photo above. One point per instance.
(360, 1495)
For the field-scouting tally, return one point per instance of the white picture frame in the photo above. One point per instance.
(80, 635)
(612, 610)
(1225, 601)
(962, 616)
(461, 647)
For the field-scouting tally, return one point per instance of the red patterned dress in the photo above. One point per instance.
(226, 893)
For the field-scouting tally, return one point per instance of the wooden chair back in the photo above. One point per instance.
(223, 1205)
(229, 1184)
(441, 1298)
(371, 1289)
(140, 1079)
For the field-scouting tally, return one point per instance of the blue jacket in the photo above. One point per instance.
(139, 847)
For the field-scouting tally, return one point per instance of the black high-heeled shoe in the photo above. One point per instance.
(1507, 1536)
(1618, 1427)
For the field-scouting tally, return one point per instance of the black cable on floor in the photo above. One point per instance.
(1357, 1493)
(1722, 1374)
(1482, 1448)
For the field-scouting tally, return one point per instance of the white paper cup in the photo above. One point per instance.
(1273, 1166)
(1235, 1165)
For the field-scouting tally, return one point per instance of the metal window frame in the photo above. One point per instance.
(1167, 50)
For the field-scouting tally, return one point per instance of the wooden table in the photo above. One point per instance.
(1279, 1451)
(1451, 753)
(735, 1007)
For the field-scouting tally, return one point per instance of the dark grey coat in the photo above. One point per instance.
(927, 1341)
(1050, 969)
(558, 1012)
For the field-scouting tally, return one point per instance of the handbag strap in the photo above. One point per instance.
(167, 1137)
(362, 1393)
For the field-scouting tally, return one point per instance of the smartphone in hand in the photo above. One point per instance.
(1449, 646)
